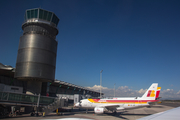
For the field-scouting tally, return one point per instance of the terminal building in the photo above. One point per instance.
(8, 83)
(34, 73)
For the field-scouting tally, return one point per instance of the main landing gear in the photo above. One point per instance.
(114, 112)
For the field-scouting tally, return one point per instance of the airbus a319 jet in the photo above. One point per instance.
(115, 104)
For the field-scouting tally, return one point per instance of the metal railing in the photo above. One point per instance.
(59, 102)
(25, 98)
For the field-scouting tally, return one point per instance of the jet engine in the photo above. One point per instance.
(99, 110)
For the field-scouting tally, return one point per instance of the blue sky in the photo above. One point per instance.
(136, 43)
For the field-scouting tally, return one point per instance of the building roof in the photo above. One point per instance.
(59, 82)
(7, 70)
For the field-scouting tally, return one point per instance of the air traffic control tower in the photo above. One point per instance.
(36, 59)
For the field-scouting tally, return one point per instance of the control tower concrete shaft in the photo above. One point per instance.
(36, 59)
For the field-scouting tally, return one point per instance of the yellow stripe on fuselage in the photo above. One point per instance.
(91, 100)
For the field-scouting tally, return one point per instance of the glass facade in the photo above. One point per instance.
(5, 96)
(42, 14)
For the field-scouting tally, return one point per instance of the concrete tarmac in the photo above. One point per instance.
(120, 115)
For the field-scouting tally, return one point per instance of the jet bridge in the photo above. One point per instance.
(39, 103)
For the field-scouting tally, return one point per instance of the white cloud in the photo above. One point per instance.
(178, 92)
(170, 94)
(141, 91)
(125, 91)
(122, 91)
(97, 88)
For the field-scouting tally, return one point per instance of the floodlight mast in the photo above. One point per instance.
(100, 82)
(114, 90)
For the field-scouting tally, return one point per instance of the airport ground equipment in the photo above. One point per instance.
(58, 103)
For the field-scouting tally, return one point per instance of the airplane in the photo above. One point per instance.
(114, 104)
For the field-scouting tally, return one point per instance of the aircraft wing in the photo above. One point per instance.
(172, 114)
(153, 103)
(110, 107)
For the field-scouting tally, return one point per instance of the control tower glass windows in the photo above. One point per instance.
(36, 13)
(55, 19)
(49, 16)
(28, 14)
(42, 15)
(45, 15)
(32, 13)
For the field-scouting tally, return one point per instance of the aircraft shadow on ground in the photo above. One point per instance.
(155, 107)
(62, 114)
(19, 116)
(118, 114)
(90, 111)
(122, 114)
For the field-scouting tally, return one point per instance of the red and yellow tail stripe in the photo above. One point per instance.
(158, 92)
(151, 93)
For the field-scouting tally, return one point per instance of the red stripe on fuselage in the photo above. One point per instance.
(96, 100)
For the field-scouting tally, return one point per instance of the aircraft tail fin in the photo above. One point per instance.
(151, 93)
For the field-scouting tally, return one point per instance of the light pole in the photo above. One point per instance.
(114, 90)
(100, 81)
